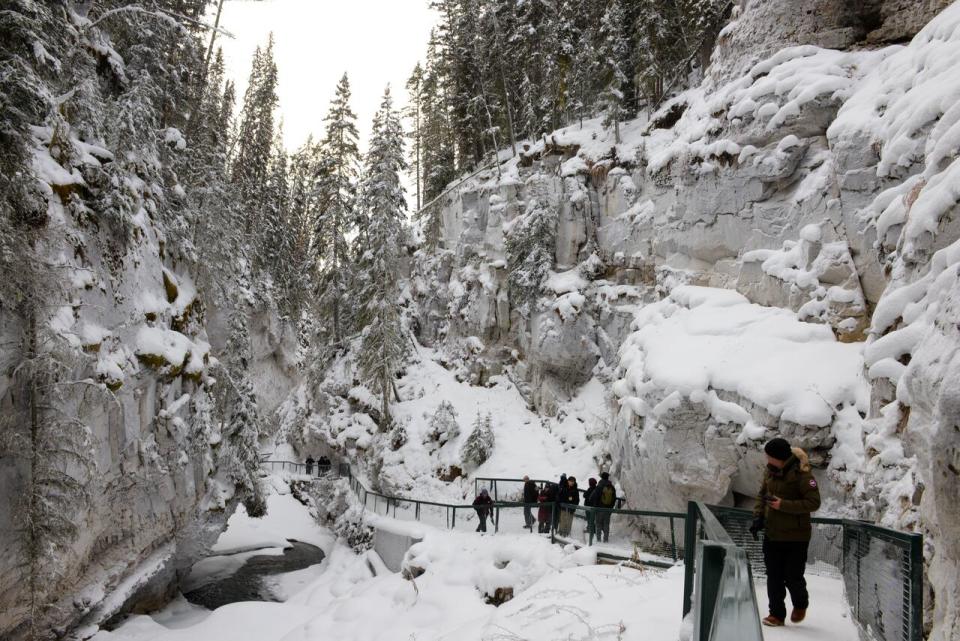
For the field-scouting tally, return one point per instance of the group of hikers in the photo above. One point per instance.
(323, 465)
(557, 503)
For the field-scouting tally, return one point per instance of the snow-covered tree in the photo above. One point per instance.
(613, 54)
(384, 343)
(255, 139)
(479, 444)
(243, 425)
(530, 243)
(336, 207)
(443, 426)
(414, 114)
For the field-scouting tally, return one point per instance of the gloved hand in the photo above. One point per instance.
(758, 524)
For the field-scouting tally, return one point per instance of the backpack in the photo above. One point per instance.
(608, 496)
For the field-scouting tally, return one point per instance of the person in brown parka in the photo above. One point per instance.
(787, 497)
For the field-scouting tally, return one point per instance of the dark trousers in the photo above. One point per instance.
(528, 517)
(482, 526)
(785, 562)
(602, 525)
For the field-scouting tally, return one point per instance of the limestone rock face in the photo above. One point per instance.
(140, 405)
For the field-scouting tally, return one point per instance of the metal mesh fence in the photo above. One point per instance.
(882, 580)
(645, 536)
(824, 554)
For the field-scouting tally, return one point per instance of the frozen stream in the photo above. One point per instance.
(246, 584)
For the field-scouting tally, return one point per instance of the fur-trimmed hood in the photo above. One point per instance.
(803, 461)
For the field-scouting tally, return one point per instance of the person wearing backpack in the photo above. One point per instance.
(605, 497)
(588, 501)
(483, 505)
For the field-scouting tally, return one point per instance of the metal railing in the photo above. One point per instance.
(718, 575)
(315, 469)
(881, 569)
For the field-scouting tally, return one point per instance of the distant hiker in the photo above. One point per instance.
(588, 500)
(529, 496)
(547, 500)
(323, 465)
(788, 495)
(561, 487)
(309, 465)
(604, 497)
(483, 505)
(568, 497)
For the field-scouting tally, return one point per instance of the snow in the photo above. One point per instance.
(558, 593)
(566, 282)
(526, 442)
(286, 519)
(568, 305)
(908, 107)
(175, 348)
(701, 339)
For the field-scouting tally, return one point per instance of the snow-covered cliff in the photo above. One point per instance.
(799, 210)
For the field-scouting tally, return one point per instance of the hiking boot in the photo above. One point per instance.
(798, 615)
(772, 621)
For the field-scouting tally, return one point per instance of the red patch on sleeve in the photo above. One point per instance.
(813, 483)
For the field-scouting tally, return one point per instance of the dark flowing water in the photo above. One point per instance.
(246, 584)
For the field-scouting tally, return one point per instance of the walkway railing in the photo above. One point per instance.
(882, 569)
(725, 603)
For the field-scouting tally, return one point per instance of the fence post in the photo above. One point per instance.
(689, 552)
(916, 587)
(453, 522)
(553, 509)
(591, 518)
(496, 520)
(673, 541)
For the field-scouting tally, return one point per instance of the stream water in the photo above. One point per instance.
(246, 584)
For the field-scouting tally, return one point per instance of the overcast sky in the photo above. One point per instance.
(374, 41)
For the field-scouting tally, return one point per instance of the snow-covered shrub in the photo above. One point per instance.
(443, 425)
(480, 443)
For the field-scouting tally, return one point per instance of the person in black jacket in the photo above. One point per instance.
(561, 488)
(309, 465)
(570, 495)
(483, 505)
(605, 497)
(587, 498)
(529, 497)
(547, 499)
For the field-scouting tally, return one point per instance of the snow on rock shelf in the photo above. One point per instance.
(708, 376)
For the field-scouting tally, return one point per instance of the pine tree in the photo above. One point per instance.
(414, 113)
(337, 211)
(255, 138)
(384, 343)
(613, 55)
(530, 243)
(275, 236)
(443, 426)
(243, 426)
(479, 444)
